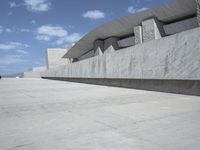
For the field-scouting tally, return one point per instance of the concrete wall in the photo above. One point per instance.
(54, 57)
(32, 74)
(152, 29)
(126, 42)
(169, 64)
(180, 26)
(35, 72)
(198, 11)
(172, 57)
(138, 34)
(189, 87)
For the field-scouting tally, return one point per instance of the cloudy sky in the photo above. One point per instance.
(28, 27)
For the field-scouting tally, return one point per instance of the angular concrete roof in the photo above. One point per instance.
(166, 13)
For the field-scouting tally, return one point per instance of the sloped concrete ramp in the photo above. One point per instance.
(38, 114)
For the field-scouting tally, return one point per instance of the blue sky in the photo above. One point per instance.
(28, 27)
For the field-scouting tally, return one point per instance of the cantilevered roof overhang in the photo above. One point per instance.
(123, 26)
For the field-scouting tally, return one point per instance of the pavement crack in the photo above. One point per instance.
(19, 146)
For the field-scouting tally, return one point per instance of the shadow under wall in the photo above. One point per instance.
(187, 87)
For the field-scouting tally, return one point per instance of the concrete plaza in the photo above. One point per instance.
(38, 114)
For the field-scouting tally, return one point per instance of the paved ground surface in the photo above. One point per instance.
(38, 114)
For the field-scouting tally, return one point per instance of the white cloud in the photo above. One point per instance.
(33, 22)
(40, 62)
(13, 4)
(8, 30)
(22, 52)
(11, 59)
(56, 33)
(133, 10)
(12, 46)
(3, 67)
(24, 30)
(37, 5)
(14, 29)
(51, 30)
(1, 29)
(43, 37)
(69, 39)
(94, 14)
(33, 5)
(10, 13)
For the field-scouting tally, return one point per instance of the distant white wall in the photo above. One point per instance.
(54, 57)
(35, 72)
(43, 68)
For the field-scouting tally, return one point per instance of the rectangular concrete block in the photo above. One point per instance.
(126, 42)
(35, 72)
(180, 26)
(54, 57)
(152, 29)
(138, 34)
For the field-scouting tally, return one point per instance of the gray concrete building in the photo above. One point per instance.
(157, 49)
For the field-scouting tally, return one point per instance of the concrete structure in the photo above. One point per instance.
(152, 29)
(198, 11)
(171, 59)
(35, 72)
(54, 57)
(53, 60)
(157, 49)
(157, 18)
(38, 114)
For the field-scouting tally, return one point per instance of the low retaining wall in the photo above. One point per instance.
(188, 87)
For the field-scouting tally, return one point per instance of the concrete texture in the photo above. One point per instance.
(40, 114)
(54, 57)
(31, 74)
(177, 9)
(198, 11)
(180, 26)
(138, 34)
(152, 29)
(35, 72)
(172, 57)
(187, 87)
(110, 44)
(126, 42)
(98, 47)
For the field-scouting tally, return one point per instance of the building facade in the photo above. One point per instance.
(157, 49)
